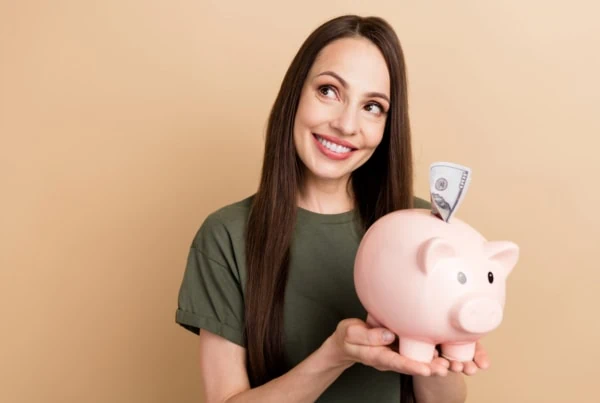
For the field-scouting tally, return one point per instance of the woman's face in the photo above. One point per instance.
(342, 110)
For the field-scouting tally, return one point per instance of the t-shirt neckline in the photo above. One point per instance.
(337, 218)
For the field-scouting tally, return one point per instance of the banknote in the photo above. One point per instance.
(448, 184)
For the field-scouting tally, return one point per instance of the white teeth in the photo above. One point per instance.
(333, 147)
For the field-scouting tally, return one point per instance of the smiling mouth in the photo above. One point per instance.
(336, 148)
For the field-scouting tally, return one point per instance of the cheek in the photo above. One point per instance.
(309, 113)
(373, 134)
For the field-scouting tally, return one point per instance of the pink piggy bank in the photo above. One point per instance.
(432, 282)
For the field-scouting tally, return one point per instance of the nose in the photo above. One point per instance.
(478, 315)
(346, 122)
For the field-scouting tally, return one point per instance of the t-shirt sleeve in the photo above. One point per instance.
(210, 296)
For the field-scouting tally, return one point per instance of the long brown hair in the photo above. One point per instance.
(381, 185)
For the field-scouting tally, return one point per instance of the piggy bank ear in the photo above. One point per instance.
(503, 252)
(432, 251)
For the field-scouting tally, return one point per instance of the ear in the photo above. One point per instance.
(432, 251)
(503, 252)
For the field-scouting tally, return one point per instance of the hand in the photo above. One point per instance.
(356, 341)
(480, 361)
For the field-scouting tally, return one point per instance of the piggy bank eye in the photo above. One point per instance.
(490, 277)
(461, 277)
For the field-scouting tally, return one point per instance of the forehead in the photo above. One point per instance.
(356, 60)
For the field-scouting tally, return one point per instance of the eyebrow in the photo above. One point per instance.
(345, 85)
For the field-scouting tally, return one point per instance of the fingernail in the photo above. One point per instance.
(388, 336)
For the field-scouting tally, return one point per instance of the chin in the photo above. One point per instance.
(328, 175)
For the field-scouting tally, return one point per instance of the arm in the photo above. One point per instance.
(449, 389)
(225, 380)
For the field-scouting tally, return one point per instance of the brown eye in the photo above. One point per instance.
(327, 91)
(375, 108)
(491, 277)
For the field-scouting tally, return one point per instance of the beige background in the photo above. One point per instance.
(124, 123)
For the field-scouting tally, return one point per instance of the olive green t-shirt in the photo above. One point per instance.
(319, 294)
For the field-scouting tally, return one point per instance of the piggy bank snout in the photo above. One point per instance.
(478, 315)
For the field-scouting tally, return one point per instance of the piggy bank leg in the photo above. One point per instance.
(459, 352)
(417, 350)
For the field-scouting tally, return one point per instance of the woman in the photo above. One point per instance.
(269, 279)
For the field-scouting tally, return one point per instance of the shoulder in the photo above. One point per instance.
(231, 215)
(419, 203)
(225, 225)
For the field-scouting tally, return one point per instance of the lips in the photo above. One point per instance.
(337, 141)
(333, 155)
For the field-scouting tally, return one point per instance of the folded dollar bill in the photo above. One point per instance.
(448, 184)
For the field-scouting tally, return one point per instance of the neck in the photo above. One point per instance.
(325, 196)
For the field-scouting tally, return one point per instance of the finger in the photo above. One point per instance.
(384, 358)
(481, 357)
(441, 361)
(412, 367)
(392, 360)
(439, 366)
(456, 366)
(361, 335)
(437, 369)
(469, 368)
